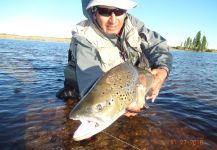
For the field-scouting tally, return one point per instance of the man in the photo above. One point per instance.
(107, 38)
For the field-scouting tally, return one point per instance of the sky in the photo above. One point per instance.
(175, 20)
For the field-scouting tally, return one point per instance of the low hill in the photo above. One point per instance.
(34, 38)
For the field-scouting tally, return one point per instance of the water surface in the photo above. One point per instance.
(183, 117)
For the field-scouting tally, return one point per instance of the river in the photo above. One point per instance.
(183, 116)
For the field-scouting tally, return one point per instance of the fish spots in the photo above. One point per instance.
(123, 97)
(128, 74)
(109, 102)
(99, 107)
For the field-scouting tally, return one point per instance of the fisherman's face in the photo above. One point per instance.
(110, 19)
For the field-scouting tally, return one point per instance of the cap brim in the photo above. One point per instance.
(117, 3)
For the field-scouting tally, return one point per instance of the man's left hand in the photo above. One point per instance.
(159, 76)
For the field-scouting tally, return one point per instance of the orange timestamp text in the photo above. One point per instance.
(190, 142)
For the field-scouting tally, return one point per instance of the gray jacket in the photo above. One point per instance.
(85, 60)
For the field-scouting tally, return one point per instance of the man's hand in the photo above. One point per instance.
(159, 78)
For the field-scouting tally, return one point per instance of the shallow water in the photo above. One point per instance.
(183, 117)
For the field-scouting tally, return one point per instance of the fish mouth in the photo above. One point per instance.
(88, 128)
(92, 125)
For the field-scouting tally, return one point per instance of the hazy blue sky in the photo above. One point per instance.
(173, 19)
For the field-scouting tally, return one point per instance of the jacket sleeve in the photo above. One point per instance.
(87, 65)
(153, 46)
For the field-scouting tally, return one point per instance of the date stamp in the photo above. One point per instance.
(189, 142)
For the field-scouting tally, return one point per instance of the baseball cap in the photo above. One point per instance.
(122, 4)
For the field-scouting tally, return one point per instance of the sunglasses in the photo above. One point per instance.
(108, 12)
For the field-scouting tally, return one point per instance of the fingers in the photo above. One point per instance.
(132, 111)
(133, 107)
(128, 114)
(159, 76)
(153, 93)
(140, 96)
(154, 71)
(152, 97)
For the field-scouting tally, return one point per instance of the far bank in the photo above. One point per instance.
(33, 38)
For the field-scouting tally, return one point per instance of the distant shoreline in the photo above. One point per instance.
(54, 39)
(183, 49)
(33, 38)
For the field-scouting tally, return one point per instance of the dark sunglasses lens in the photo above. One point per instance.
(108, 12)
(119, 12)
(104, 11)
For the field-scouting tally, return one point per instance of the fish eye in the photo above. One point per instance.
(99, 107)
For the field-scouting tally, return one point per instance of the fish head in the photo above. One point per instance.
(96, 111)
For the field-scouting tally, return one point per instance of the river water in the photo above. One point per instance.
(183, 116)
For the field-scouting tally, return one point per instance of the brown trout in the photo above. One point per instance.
(108, 99)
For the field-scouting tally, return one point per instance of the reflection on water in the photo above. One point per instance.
(184, 116)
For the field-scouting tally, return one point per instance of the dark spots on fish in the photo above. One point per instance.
(123, 97)
(109, 102)
(99, 107)
(96, 125)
